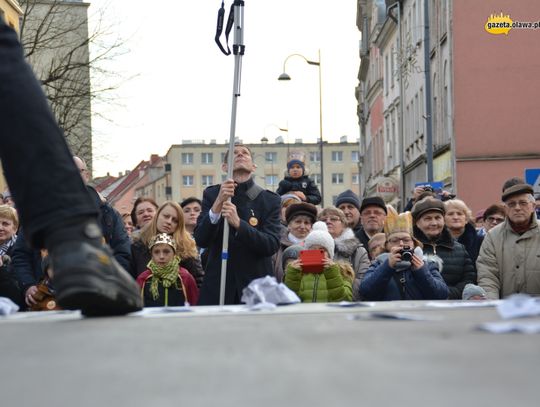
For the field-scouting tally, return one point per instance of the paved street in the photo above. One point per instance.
(303, 355)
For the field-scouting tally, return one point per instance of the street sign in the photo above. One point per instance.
(437, 186)
(532, 177)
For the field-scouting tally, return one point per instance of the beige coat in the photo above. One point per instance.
(509, 263)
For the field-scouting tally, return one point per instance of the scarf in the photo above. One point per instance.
(4, 247)
(167, 275)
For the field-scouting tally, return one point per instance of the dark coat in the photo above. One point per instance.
(303, 184)
(458, 269)
(472, 242)
(379, 283)
(140, 256)
(9, 286)
(361, 235)
(26, 263)
(250, 247)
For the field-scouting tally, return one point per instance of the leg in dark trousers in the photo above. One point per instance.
(54, 206)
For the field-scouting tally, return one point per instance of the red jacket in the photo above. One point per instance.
(188, 282)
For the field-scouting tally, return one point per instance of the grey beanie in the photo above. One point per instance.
(291, 252)
(471, 290)
(348, 197)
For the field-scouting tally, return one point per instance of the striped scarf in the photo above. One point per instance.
(4, 247)
(167, 275)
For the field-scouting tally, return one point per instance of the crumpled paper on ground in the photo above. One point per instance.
(519, 306)
(7, 307)
(267, 293)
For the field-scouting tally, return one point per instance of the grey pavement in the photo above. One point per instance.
(301, 355)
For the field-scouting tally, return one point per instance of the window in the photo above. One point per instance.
(207, 158)
(355, 156)
(187, 180)
(355, 178)
(337, 178)
(207, 180)
(337, 156)
(271, 180)
(314, 156)
(316, 178)
(386, 75)
(187, 158)
(270, 157)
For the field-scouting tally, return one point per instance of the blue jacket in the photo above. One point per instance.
(380, 282)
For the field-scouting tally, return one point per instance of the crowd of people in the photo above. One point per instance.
(368, 251)
(72, 250)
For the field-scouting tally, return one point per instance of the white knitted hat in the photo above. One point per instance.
(319, 236)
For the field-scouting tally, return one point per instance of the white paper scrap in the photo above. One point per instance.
(527, 327)
(519, 306)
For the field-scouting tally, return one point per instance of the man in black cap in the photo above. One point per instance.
(372, 216)
(38, 164)
(508, 262)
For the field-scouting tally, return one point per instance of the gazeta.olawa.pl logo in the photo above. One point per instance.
(497, 24)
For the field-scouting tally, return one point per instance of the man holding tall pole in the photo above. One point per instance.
(252, 214)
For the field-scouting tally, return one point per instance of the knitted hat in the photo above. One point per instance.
(426, 205)
(162, 238)
(373, 201)
(516, 190)
(395, 222)
(287, 199)
(472, 290)
(291, 253)
(303, 208)
(319, 236)
(295, 161)
(348, 197)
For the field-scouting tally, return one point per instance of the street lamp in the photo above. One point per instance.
(285, 77)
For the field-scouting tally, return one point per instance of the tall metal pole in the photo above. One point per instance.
(238, 50)
(321, 130)
(427, 76)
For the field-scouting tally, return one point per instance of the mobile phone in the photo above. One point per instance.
(312, 260)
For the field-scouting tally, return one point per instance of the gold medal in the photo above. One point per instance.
(253, 221)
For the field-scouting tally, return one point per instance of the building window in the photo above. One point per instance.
(314, 156)
(187, 158)
(337, 156)
(355, 156)
(355, 178)
(270, 157)
(207, 180)
(207, 158)
(271, 180)
(337, 178)
(316, 178)
(187, 180)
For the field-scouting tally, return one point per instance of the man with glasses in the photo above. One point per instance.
(509, 259)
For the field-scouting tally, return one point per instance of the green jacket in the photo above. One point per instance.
(328, 286)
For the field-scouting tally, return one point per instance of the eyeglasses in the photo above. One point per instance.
(494, 219)
(332, 219)
(405, 240)
(515, 204)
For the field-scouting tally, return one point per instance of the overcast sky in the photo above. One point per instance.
(182, 88)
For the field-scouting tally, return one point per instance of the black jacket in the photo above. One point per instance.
(303, 184)
(471, 241)
(458, 268)
(9, 286)
(140, 256)
(250, 247)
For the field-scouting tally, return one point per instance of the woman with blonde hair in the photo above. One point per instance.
(169, 219)
(459, 221)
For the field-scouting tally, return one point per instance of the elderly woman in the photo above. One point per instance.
(299, 218)
(494, 215)
(348, 247)
(402, 272)
(144, 210)
(458, 220)
(169, 219)
(9, 223)
(458, 269)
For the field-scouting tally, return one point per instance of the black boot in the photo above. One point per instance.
(86, 275)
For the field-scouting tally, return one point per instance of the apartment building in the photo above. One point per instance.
(194, 165)
(456, 99)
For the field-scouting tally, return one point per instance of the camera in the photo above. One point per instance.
(406, 253)
(427, 188)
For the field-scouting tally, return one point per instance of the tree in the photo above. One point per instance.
(57, 42)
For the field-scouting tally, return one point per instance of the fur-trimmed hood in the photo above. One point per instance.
(346, 243)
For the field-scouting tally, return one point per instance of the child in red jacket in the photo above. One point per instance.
(165, 283)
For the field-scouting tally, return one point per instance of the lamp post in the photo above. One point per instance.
(285, 77)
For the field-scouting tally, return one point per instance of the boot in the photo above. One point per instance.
(86, 275)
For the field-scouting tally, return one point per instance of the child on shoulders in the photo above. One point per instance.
(299, 184)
